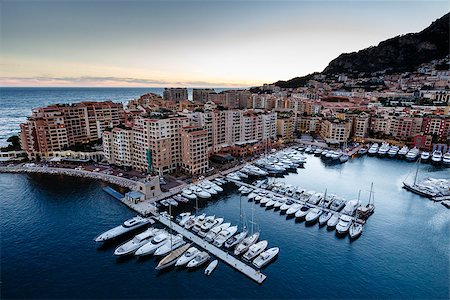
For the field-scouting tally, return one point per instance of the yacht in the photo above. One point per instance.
(233, 176)
(127, 226)
(355, 229)
(270, 204)
(201, 193)
(393, 151)
(286, 206)
(191, 222)
(337, 204)
(293, 209)
(318, 151)
(241, 174)
(344, 158)
(437, 157)
(215, 231)
(183, 217)
(138, 241)
(173, 243)
(324, 153)
(198, 224)
(224, 235)
(265, 257)
(252, 196)
(156, 242)
(329, 154)
(315, 198)
(425, 156)
(403, 151)
(180, 198)
(344, 224)
(198, 260)
(350, 207)
(254, 250)
(313, 215)
(187, 193)
(303, 211)
(324, 217)
(336, 155)
(383, 150)
(172, 201)
(373, 149)
(172, 258)
(412, 154)
(263, 201)
(187, 256)
(246, 243)
(332, 222)
(208, 188)
(234, 240)
(211, 267)
(363, 151)
(210, 223)
(446, 159)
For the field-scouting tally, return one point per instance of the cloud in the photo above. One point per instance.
(105, 81)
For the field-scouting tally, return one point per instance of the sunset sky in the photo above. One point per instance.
(191, 43)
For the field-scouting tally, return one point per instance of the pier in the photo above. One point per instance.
(235, 263)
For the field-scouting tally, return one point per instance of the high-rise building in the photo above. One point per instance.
(361, 125)
(175, 94)
(194, 153)
(202, 95)
(335, 130)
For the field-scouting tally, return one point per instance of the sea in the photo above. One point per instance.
(48, 224)
(16, 102)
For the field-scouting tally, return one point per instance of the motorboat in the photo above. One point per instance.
(266, 257)
(263, 201)
(215, 231)
(246, 243)
(224, 235)
(344, 158)
(207, 225)
(172, 258)
(189, 194)
(337, 204)
(183, 218)
(355, 229)
(187, 256)
(383, 150)
(425, 156)
(201, 193)
(211, 267)
(172, 201)
(215, 186)
(350, 207)
(329, 154)
(150, 247)
(241, 174)
(446, 159)
(437, 156)
(127, 226)
(403, 151)
(303, 211)
(373, 149)
(135, 243)
(412, 154)
(336, 155)
(286, 206)
(252, 195)
(246, 190)
(254, 250)
(313, 215)
(208, 188)
(270, 203)
(198, 223)
(315, 198)
(393, 151)
(180, 198)
(363, 151)
(318, 151)
(233, 176)
(191, 222)
(344, 224)
(173, 243)
(198, 260)
(324, 217)
(279, 203)
(324, 153)
(293, 209)
(333, 221)
(236, 239)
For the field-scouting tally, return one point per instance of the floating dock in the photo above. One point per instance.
(245, 269)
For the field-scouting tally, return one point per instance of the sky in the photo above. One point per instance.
(191, 43)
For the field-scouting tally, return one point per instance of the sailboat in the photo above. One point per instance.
(418, 189)
(248, 241)
(363, 212)
(238, 238)
(356, 228)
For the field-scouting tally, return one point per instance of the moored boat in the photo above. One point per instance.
(266, 257)
(172, 258)
(127, 226)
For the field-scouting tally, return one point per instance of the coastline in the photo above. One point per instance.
(120, 181)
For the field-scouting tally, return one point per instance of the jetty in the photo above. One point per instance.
(235, 263)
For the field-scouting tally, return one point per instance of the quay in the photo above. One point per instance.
(245, 269)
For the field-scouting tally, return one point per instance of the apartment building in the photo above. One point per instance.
(118, 146)
(202, 95)
(361, 125)
(194, 154)
(175, 94)
(308, 124)
(335, 130)
(285, 128)
(57, 127)
(438, 126)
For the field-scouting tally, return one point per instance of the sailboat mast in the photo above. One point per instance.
(417, 171)
(371, 191)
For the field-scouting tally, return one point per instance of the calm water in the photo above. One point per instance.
(16, 103)
(48, 224)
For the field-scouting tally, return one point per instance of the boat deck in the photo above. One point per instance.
(245, 269)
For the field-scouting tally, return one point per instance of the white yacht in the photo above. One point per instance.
(265, 257)
(198, 260)
(313, 215)
(172, 258)
(138, 241)
(208, 188)
(403, 151)
(344, 158)
(246, 243)
(127, 226)
(234, 240)
(187, 256)
(412, 154)
(373, 149)
(198, 223)
(183, 217)
(201, 193)
(437, 156)
(324, 217)
(303, 211)
(337, 204)
(191, 222)
(333, 221)
(446, 159)
(263, 201)
(211, 267)
(293, 209)
(215, 231)
(156, 242)
(215, 186)
(336, 155)
(255, 249)
(350, 207)
(173, 243)
(224, 235)
(187, 193)
(425, 156)
(233, 176)
(393, 151)
(344, 224)
(270, 203)
(383, 149)
(315, 198)
(210, 223)
(355, 229)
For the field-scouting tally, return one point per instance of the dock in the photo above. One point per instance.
(112, 192)
(238, 265)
